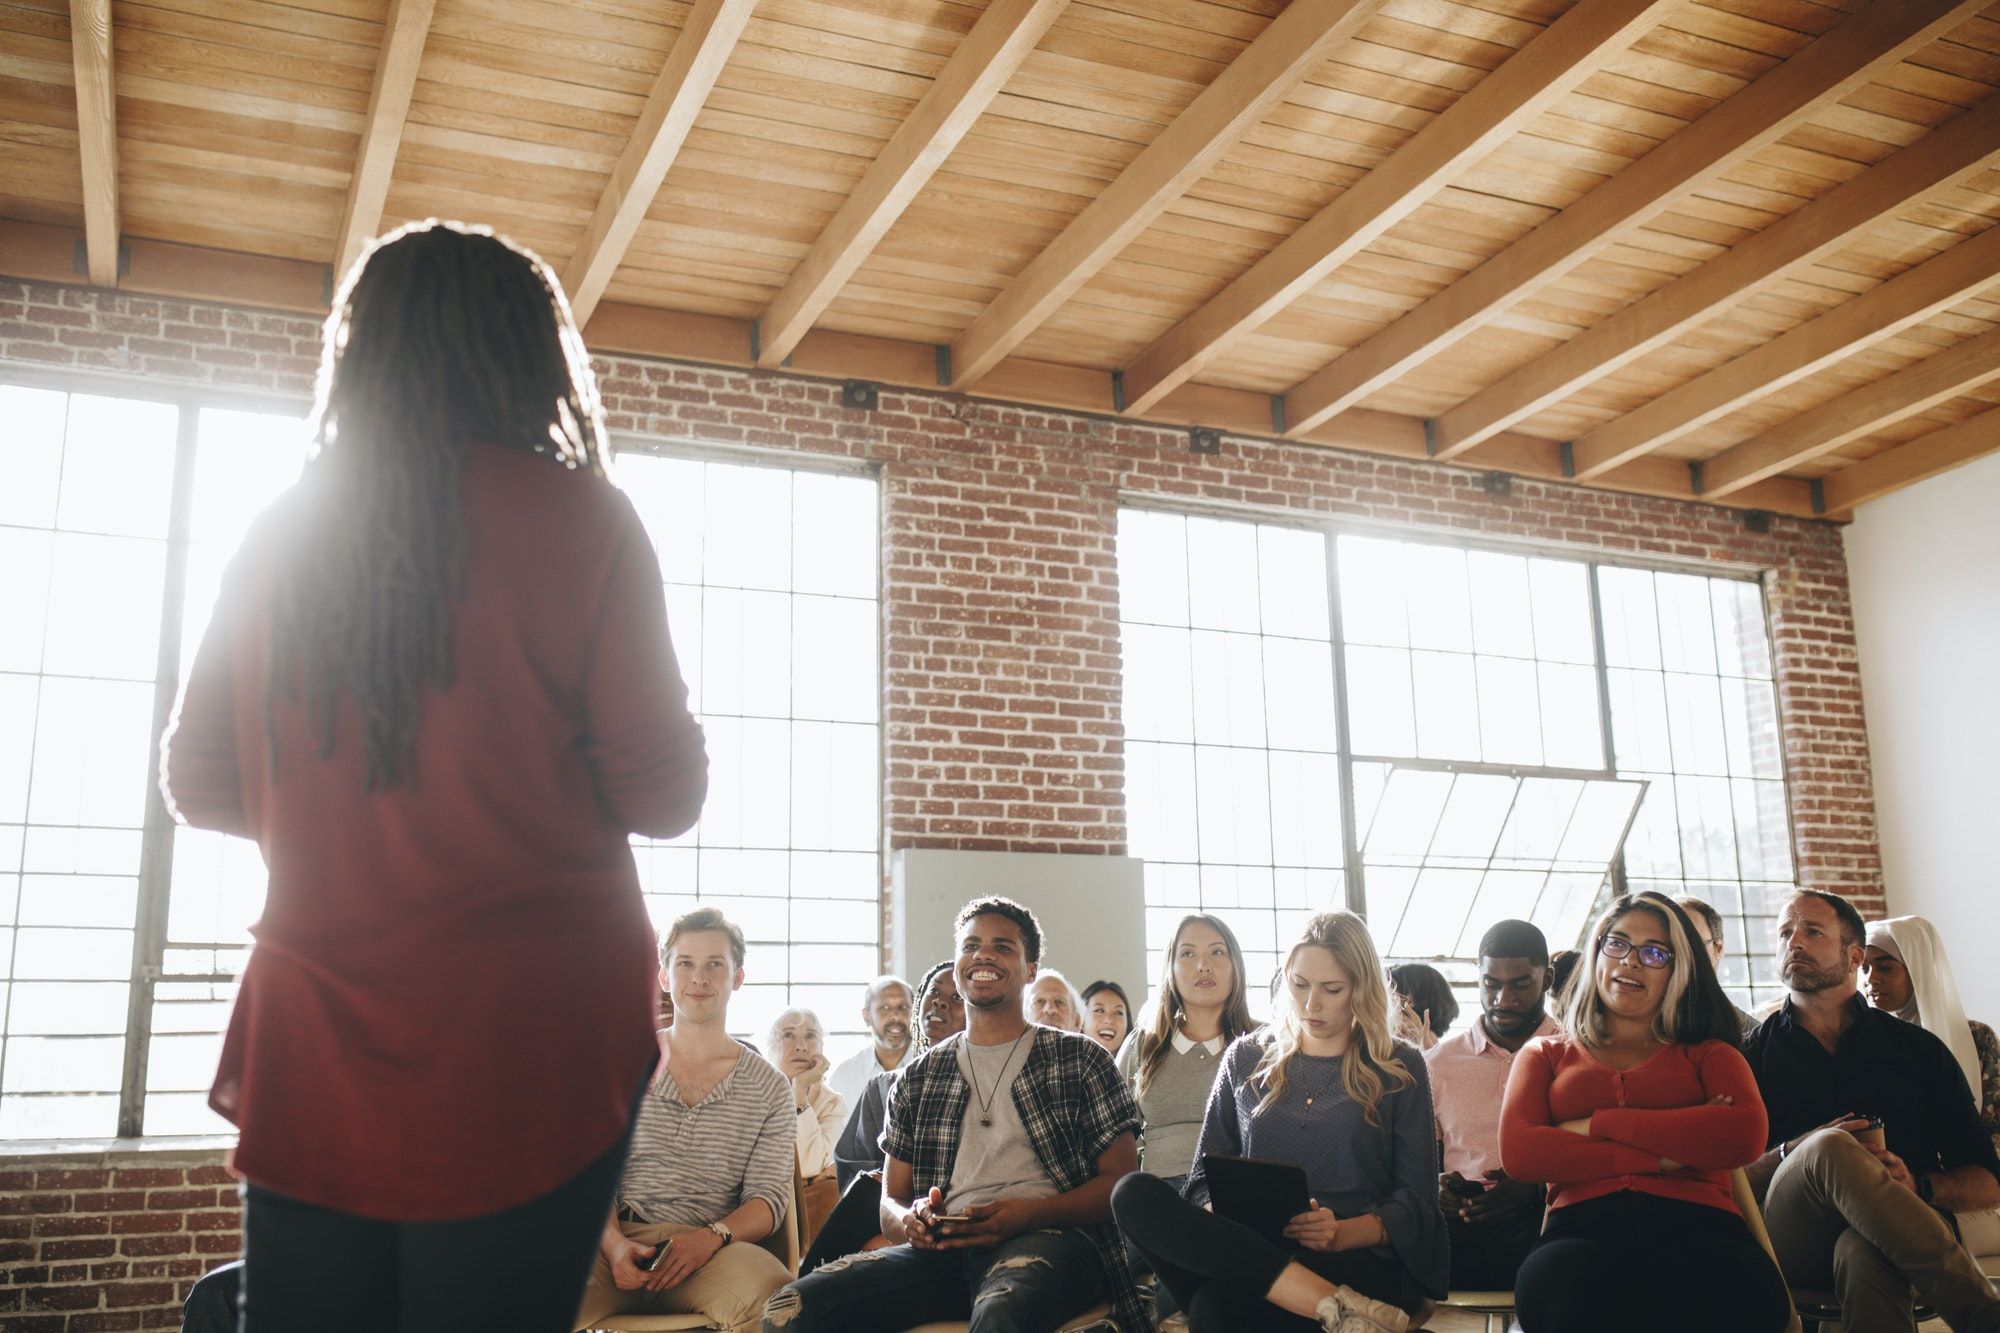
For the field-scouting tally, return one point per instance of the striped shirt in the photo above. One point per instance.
(692, 1165)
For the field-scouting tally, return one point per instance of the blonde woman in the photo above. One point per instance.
(1171, 1061)
(1634, 1117)
(1324, 1086)
(796, 1044)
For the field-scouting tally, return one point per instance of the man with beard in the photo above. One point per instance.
(1002, 1146)
(1492, 1220)
(1866, 1214)
(886, 1011)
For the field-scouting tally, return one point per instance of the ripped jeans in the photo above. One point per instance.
(1030, 1284)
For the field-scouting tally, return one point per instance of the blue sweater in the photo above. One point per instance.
(1352, 1167)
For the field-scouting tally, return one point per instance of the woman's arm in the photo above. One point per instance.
(1714, 1134)
(1533, 1144)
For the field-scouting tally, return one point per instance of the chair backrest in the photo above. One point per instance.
(1753, 1218)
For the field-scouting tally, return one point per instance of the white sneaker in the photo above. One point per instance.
(1348, 1311)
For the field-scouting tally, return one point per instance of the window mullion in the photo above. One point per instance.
(156, 845)
(1355, 880)
(1604, 733)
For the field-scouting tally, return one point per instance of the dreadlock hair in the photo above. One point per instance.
(442, 334)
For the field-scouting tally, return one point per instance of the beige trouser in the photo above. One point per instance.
(729, 1289)
(1838, 1220)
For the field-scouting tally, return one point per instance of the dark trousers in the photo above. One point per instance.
(1649, 1265)
(1219, 1270)
(1487, 1257)
(854, 1221)
(1031, 1284)
(313, 1270)
(212, 1304)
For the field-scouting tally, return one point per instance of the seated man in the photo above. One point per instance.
(1867, 1221)
(710, 1169)
(1492, 1221)
(1002, 1148)
(1708, 924)
(885, 1008)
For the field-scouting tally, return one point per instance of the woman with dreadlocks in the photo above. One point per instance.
(439, 692)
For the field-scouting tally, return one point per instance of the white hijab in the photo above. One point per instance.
(1934, 1003)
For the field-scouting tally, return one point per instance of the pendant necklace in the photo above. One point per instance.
(1331, 1075)
(972, 1068)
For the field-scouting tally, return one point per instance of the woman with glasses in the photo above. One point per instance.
(1635, 1117)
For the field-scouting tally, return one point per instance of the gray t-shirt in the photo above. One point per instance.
(995, 1161)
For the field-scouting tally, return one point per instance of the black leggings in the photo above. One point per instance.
(314, 1270)
(1219, 1270)
(1624, 1261)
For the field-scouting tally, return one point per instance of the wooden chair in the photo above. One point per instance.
(784, 1242)
(1753, 1217)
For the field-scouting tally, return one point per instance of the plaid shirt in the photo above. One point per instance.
(1074, 1106)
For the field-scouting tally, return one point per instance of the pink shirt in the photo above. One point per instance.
(1468, 1082)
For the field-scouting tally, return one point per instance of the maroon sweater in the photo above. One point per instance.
(449, 1007)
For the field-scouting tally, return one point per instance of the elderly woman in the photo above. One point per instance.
(796, 1045)
(1907, 972)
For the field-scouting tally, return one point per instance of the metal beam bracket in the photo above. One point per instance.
(1566, 453)
(1117, 391)
(944, 365)
(80, 261)
(1278, 413)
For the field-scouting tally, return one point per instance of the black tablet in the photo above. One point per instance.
(1263, 1196)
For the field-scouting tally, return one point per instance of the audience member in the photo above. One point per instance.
(1493, 1219)
(1707, 923)
(1562, 967)
(1635, 1117)
(886, 1010)
(439, 692)
(796, 1045)
(1423, 1005)
(1201, 1007)
(1002, 1147)
(1107, 1015)
(1869, 1217)
(1053, 1002)
(1324, 1086)
(214, 1303)
(712, 1156)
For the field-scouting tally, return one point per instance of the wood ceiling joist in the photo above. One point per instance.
(408, 25)
(1005, 35)
(97, 136)
(691, 69)
(1918, 388)
(1905, 300)
(1542, 72)
(1941, 159)
(1295, 44)
(1851, 54)
(1920, 459)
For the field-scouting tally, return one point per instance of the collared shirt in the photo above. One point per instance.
(692, 1165)
(1882, 1066)
(1073, 1105)
(1468, 1082)
(850, 1077)
(1184, 1043)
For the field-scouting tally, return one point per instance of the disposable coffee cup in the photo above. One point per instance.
(1873, 1135)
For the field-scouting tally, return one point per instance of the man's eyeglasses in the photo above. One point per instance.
(1650, 955)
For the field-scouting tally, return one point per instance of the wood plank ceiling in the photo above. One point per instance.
(1736, 250)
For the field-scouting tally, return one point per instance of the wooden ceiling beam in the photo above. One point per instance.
(685, 81)
(96, 136)
(1945, 157)
(1920, 459)
(407, 28)
(1935, 285)
(1295, 44)
(1005, 35)
(1535, 77)
(1848, 56)
(1914, 389)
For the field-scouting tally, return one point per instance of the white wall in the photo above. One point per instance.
(1925, 566)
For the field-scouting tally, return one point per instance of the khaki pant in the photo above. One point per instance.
(1838, 1221)
(730, 1289)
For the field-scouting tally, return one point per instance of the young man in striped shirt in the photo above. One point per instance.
(710, 1168)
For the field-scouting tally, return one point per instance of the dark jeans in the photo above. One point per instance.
(1033, 1283)
(1488, 1257)
(314, 1270)
(854, 1221)
(1649, 1265)
(1219, 1270)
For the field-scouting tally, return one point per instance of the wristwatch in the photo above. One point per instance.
(722, 1229)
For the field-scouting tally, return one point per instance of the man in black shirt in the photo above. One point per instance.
(1867, 1221)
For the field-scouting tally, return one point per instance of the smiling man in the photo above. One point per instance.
(885, 1008)
(1002, 1146)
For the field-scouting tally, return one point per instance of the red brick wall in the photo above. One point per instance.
(1000, 674)
(100, 1241)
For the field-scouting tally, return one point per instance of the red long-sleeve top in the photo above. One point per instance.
(448, 1010)
(1657, 1109)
